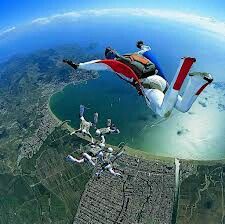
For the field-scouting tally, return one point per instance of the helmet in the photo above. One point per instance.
(139, 44)
(107, 50)
(102, 145)
(110, 149)
(109, 53)
(97, 132)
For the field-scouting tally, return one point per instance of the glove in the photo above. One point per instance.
(67, 61)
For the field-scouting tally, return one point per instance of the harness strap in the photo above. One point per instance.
(138, 58)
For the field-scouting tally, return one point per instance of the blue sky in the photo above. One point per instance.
(17, 12)
(25, 24)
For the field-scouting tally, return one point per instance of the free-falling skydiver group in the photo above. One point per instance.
(142, 70)
(98, 155)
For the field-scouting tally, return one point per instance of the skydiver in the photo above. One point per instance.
(107, 130)
(107, 166)
(84, 125)
(142, 73)
(108, 161)
(104, 153)
(84, 128)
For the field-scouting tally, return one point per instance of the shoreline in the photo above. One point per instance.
(50, 111)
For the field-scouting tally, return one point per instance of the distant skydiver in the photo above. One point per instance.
(139, 71)
(109, 167)
(84, 128)
(95, 152)
(84, 125)
(107, 164)
(108, 130)
(101, 152)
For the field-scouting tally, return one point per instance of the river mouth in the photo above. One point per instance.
(196, 135)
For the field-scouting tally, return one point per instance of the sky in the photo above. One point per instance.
(14, 12)
(24, 17)
(206, 14)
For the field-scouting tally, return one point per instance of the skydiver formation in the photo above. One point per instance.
(142, 70)
(98, 155)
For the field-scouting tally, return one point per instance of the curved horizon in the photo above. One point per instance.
(205, 23)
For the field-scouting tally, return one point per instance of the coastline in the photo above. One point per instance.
(55, 117)
(50, 111)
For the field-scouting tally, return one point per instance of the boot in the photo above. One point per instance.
(196, 84)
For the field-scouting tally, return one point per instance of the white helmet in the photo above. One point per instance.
(110, 149)
(102, 145)
(97, 132)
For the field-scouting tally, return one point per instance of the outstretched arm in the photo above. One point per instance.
(95, 65)
(74, 160)
(102, 139)
(89, 158)
(69, 62)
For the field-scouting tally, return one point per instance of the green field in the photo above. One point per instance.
(48, 189)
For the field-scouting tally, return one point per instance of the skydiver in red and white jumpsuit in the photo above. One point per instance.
(159, 96)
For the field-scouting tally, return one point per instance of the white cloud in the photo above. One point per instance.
(206, 23)
(66, 15)
(41, 21)
(3, 32)
(209, 24)
(46, 20)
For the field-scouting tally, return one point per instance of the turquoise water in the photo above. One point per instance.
(198, 134)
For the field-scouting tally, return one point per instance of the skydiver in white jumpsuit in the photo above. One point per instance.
(100, 147)
(104, 153)
(160, 97)
(108, 130)
(107, 166)
(84, 125)
(108, 161)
